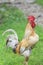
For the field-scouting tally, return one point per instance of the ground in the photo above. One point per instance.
(15, 19)
(33, 8)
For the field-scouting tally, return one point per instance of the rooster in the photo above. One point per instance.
(29, 40)
(25, 46)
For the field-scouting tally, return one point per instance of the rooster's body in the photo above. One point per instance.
(29, 40)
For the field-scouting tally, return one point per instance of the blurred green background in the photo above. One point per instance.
(12, 17)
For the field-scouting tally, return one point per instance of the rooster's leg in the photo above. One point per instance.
(26, 61)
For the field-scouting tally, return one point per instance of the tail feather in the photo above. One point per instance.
(10, 30)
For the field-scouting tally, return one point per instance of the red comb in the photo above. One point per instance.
(31, 18)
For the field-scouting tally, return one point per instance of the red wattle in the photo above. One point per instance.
(33, 24)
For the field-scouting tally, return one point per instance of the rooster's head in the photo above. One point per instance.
(31, 20)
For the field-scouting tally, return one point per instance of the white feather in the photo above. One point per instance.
(10, 30)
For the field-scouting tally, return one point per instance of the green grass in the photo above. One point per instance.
(15, 19)
(40, 2)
